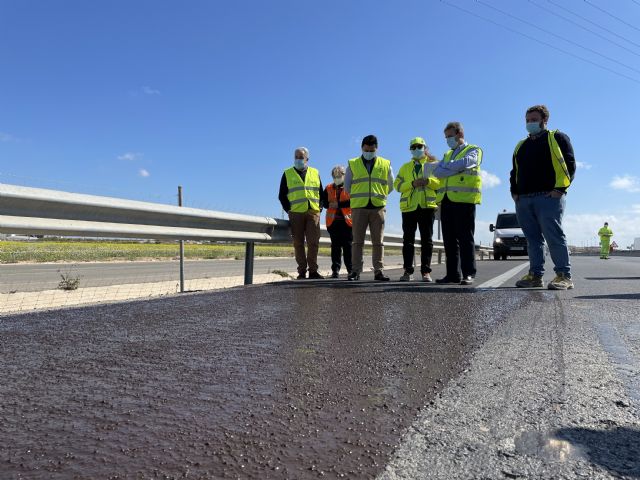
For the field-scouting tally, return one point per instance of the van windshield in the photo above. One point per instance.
(508, 220)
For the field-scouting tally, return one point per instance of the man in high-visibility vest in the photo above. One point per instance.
(338, 219)
(417, 185)
(459, 193)
(543, 169)
(368, 180)
(301, 197)
(605, 234)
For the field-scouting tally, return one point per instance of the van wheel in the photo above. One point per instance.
(496, 256)
(504, 256)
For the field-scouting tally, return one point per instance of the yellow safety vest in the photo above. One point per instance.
(303, 195)
(557, 160)
(463, 187)
(365, 187)
(411, 197)
(605, 232)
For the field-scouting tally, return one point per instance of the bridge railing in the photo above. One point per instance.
(36, 211)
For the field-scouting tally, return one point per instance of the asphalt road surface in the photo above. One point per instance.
(333, 379)
(46, 276)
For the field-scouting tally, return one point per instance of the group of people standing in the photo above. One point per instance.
(356, 199)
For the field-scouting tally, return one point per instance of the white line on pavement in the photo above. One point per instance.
(500, 279)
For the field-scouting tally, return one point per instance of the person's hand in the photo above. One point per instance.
(333, 204)
(555, 194)
(515, 197)
(418, 182)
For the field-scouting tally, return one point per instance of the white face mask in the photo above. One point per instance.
(338, 180)
(417, 153)
(368, 155)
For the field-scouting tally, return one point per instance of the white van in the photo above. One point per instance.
(508, 239)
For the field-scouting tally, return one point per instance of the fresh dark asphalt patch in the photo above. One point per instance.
(293, 380)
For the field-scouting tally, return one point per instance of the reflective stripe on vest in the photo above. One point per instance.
(303, 196)
(557, 160)
(365, 187)
(331, 212)
(466, 186)
(423, 197)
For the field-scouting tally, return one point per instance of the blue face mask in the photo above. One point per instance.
(299, 163)
(452, 142)
(417, 153)
(534, 128)
(368, 155)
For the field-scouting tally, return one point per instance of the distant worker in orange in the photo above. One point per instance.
(338, 218)
(605, 235)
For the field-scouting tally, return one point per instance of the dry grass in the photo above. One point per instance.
(104, 251)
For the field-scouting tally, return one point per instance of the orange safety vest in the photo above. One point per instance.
(331, 212)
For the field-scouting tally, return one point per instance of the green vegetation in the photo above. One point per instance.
(105, 251)
(68, 282)
(282, 273)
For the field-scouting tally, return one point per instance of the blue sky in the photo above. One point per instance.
(132, 98)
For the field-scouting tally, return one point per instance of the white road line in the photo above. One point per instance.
(500, 279)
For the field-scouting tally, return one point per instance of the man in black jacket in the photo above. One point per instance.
(543, 169)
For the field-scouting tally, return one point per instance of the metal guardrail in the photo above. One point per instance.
(35, 211)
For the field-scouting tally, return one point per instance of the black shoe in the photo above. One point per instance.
(353, 276)
(466, 280)
(315, 276)
(335, 275)
(445, 280)
(302, 276)
(381, 277)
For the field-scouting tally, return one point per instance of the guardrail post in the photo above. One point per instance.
(248, 263)
(181, 246)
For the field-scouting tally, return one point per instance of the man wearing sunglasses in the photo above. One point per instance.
(417, 186)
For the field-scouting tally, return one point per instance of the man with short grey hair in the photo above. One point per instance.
(459, 193)
(301, 197)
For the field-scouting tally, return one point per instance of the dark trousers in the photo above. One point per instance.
(458, 227)
(341, 240)
(421, 218)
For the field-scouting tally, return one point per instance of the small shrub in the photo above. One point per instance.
(282, 273)
(68, 282)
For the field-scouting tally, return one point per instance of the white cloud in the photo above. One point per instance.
(582, 229)
(628, 183)
(150, 91)
(143, 173)
(6, 137)
(584, 165)
(489, 180)
(129, 156)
